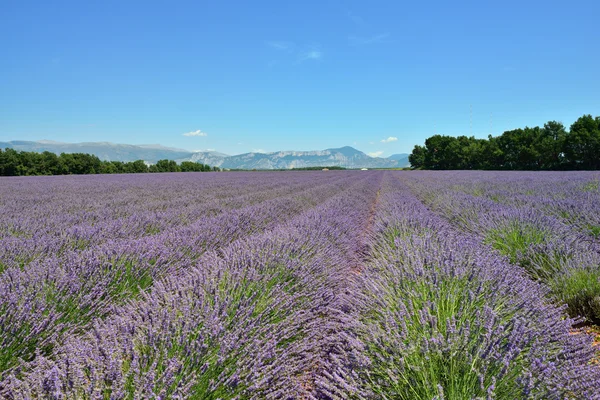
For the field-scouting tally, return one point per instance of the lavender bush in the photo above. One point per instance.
(451, 321)
(536, 223)
(338, 285)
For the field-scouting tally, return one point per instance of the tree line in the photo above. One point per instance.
(19, 163)
(550, 147)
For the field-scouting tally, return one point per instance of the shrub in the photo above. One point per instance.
(580, 290)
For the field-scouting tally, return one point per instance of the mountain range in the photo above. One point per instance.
(347, 157)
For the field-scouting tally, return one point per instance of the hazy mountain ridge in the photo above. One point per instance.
(398, 157)
(347, 157)
(103, 150)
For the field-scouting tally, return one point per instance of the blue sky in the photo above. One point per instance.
(238, 76)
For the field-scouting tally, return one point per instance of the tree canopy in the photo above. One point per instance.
(18, 163)
(550, 147)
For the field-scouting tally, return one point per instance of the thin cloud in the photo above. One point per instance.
(390, 140)
(311, 55)
(280, 45)
(195, 133)
(375, 154)
(258, 151)
(310, 52)
(356, 19)
(366, 40)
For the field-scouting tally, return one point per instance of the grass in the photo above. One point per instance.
(63, 308)
(403, 233)
(14, 344)
(152, 229)
(514, 239)
(128, 282)
(580, 290)
(257, 295)
(594, 230)
(518, 241)
(593, 186)
(21, 339)
(239, 297)
(421, 357)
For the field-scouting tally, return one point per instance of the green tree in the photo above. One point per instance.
(136, 167)
(582, 144)
(81, 163)
(50, 164)
(441, 152)
(417, 157)
(190, 166)
(9, 160)
(108, 167)
(550, 144)
(165, 166)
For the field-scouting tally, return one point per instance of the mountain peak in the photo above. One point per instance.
(347, 151)
(345, 156)
(398, 157)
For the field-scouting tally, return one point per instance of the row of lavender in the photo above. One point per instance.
(451, 319)
(49, 290)
(91, 210)
(548, 223)
(334, 286)
(260, 317)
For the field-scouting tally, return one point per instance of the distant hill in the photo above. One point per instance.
(104, 150)
(347, 157)
(401, 158)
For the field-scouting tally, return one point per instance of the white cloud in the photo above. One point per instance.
(196, 133)
(280, 45)
(258, 151)
(390, 140)
(302, 53)
(358, 20)
(375, 154)
(364, 40)
(312, 55)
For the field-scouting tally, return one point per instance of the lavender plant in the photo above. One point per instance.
(295, 285)
(452, 321)
(548, 240)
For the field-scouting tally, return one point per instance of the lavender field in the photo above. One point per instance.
(300, 285)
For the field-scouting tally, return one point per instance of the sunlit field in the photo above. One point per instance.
(301, 285)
